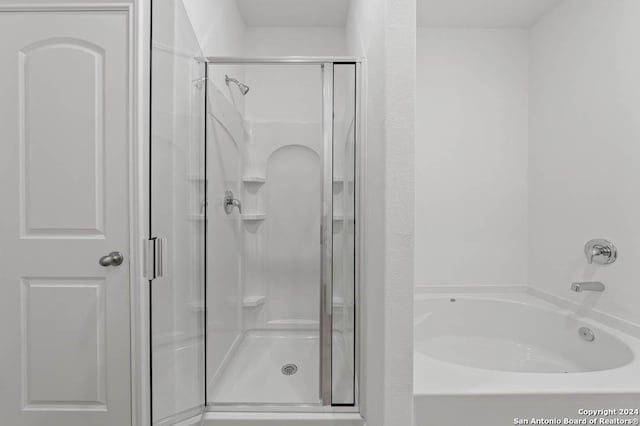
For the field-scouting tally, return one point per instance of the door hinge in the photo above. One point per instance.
(155, 258)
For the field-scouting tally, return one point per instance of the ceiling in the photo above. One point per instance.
(294, 13)
(482, 13)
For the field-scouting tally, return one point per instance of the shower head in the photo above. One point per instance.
(244, 89)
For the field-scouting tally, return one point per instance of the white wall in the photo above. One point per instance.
(471, 145)
(570, 86)
(383, 31)
(295, 41)
(220, 29)
(218, 25)
(584, 151)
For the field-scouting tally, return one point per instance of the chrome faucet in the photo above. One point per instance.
(587, 286)
(230, 203)
(600, 251)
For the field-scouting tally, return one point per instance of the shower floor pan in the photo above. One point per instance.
(276, 367)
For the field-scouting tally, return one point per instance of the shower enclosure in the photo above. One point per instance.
(280, 227)
(252, 251)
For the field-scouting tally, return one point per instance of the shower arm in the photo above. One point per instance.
(244, 89)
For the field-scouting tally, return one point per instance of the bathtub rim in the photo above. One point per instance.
(631, 351)
(464, 380)
(617, 323)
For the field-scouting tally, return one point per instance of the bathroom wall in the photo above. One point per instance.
(471, 144)
(525, 134)
(383, 32)
(220, 29)
(584, 150)
(295, 41)
(218, 25)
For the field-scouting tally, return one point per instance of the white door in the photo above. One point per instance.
(64, 137)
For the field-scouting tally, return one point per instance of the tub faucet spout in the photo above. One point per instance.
(587, 286)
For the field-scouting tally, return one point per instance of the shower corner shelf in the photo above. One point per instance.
(196, 178)
(257, 180)
(253, 217)
(253, 301)
(197, 217)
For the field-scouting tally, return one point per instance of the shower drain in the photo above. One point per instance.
(289, 369)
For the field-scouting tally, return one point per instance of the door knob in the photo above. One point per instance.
(112, 259)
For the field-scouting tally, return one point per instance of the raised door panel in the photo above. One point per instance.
(63, 343)
(62, 126)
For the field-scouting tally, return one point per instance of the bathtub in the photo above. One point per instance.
(498, 356)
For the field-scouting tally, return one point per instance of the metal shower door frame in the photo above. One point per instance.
(326, 231)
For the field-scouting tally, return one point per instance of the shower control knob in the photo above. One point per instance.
(600, 251)
(112, 259)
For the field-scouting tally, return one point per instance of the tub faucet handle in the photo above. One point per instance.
(230, 202)
(600, 251)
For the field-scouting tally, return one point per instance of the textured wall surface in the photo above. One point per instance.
(383, 31)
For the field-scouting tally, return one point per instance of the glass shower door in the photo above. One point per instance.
(281, 262)
(343, 319)
(177, 217)
(264, 144)
(253, 205)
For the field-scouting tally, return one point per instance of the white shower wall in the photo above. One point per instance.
(282, 257)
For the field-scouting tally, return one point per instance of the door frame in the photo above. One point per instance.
(138, 14)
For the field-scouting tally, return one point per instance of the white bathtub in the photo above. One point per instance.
(487, 358)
